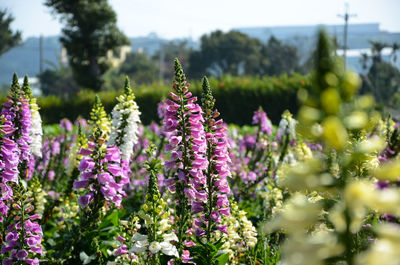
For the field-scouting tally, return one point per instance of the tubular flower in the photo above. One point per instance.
(100, 166)
(242, 235)
(214, 200)
(183, 124)
(287, 127)
(101, 126)
(102, 172)
(16, 110)
(36, 132)
(73, 157)
(260, 118)
(125, 120)
(156, 237)
(23, 237)
(9, 159)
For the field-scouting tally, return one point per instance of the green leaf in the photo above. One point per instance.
(223, 259)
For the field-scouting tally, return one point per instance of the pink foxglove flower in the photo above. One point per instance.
(16, 110)
(215, 202)
(102, 174)
(183, 126)
(260, 118)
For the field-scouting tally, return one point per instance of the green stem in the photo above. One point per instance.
(182, 199)
(210, 192)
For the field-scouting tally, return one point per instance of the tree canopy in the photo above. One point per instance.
(278, 58)
(226, 53)
(236, 53)
(8, 38)
(89, 33)
(140, 68)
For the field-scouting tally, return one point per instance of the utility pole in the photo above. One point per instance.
(161, 63)
(346, 17)
(41, 54)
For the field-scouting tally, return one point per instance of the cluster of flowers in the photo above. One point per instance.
(152, 233)
(125, 122)
(241, 236)
(183, 125)
(23, 235)
(356, 171)
(216, 188)
(104, 171)
(9, 160)
(101, 167)
(327, 185)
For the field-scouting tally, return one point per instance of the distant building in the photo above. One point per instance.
(25, 58)
(118, 57)
(303, 37)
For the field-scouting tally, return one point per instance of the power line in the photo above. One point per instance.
(346, 17)
(41, 54)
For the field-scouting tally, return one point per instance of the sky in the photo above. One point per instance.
(193, 18)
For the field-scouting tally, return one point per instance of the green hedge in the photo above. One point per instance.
(236, 98)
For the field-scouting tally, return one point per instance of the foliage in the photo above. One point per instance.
(140, 68)
(236, 53)
(226, 53)
(58, 82)
(90, 32)
(168, 52)
(279, 58)
(322, 188)
(382, 78)
(274, 94)
(8, 38)
(383, 81)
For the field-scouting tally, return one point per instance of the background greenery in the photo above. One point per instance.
(236, 98)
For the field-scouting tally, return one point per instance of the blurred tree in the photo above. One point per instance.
(382, 79)
(58, 81)
(376, 51)
(168, 52)
(395, 49)
(278, 58)
(364, 61)
(140, 68)
(226, 53)
(8, 38)
(90, 32)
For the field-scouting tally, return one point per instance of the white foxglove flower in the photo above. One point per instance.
(169, 249)
(138, 247)
(72, 158)
(287, 126)
(170, 237)
(36, 132)
(139, 237)
(85, 258)
(164, 225)
(125, 121)
(154, 247)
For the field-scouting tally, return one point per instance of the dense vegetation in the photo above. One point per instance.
(319, 189)
(232, 94)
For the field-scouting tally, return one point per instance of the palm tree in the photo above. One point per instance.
(376, 50)
(395, 48)
(364, 61)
